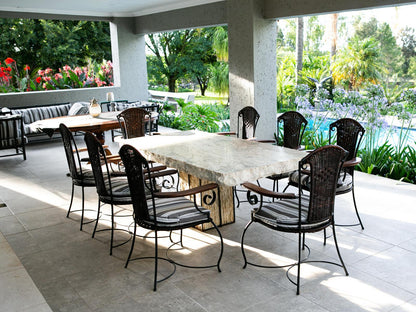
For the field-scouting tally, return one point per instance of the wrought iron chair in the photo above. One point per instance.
(80, 175)
(133, 124)
(112, 190)
(349, 134)
(302, 214)
(249, 118)
(111, 106)
(164, 211)
(246, 130)
(294, 125)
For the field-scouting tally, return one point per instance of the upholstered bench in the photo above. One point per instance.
(36, 113)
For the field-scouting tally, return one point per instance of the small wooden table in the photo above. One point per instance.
(105, 121)
(204, 157)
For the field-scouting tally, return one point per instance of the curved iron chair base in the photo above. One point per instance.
(312, 261)
(279, 266)
(123, 230)
(186, 265)
(158, 258)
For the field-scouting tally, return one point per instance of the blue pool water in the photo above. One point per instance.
(390, 134)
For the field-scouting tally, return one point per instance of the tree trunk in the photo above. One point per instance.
(172, 84)
(334, 35)
(299, 48)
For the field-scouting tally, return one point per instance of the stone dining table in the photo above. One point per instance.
(204, 157)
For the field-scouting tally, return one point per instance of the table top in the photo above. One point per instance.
(105, 121)
(226, 160)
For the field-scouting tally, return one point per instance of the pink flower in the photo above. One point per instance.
(41, 72)
(66, 68)
(48, 71)
(48, 79)
(78, 71)
(58, 76)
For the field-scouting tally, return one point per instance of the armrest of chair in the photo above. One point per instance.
(161, 173)
(262, 191)
(265, 141)
(226, 133)
(352, 162)
(193, 191)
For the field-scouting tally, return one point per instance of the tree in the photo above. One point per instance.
(299, 47)
(183, 53)
(334, 34)
(49, 43)
(408, 40)
(382, 33)
(314, 34)
(358, 64)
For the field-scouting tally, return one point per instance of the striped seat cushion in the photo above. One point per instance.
(344, 181)
(284, 214)
(177, 211)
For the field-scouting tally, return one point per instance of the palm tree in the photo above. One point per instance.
(358, 64)
(299, 48)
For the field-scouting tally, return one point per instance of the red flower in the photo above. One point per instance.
(9, 69)
(9, 60)
(38, 79)
(27, 67)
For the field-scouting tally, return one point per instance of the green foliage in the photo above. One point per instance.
(181, 54)
(358, 64)
(51, 43)
(205, 117)
(408, 46)
(389, 50)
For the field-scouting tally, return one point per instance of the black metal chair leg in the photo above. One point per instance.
(324, 236)
(156, 258)
(242, 244)
(181, 238)
(132, 246)
(356, 209)
(303, 241)
(222, 246)
(112, 229)
(82, 209)
(336, 245)
(299, 261)
(98, 217)
(236, 195)
(72, 198)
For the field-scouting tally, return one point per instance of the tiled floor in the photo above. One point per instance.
(74, 272)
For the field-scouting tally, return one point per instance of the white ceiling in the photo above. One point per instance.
(118, 8)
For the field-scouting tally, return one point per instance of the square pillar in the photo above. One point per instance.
(252, 63)
(129, 60)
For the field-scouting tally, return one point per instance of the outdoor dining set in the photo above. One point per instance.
(173, 181)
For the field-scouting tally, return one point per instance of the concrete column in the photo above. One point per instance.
(252, 63)
(129, 58)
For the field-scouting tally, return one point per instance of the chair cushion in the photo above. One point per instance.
(284, 214)
(87, 178)
(177, 211)
(344, 183)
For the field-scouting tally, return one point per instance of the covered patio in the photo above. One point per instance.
(73, 272)
(47, 264)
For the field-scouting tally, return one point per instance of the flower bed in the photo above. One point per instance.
(93, 75)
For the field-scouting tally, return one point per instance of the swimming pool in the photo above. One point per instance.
(391, 134)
